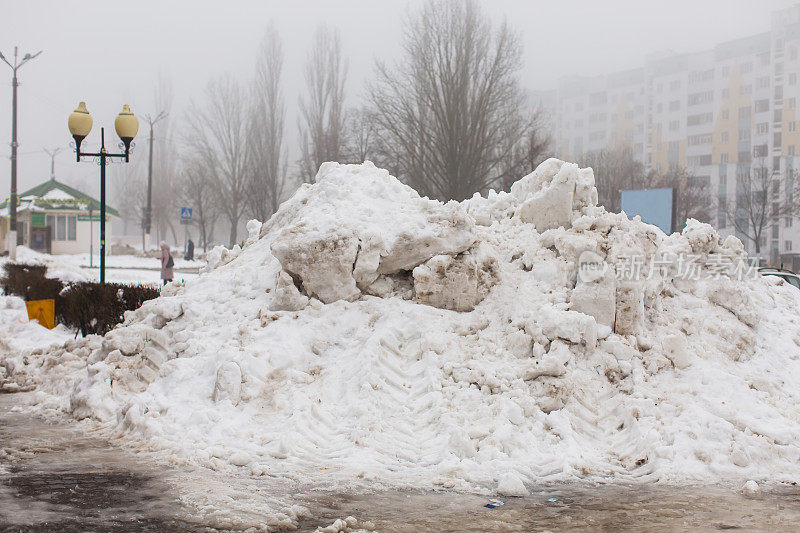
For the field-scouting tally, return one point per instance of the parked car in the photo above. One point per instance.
(787, 275)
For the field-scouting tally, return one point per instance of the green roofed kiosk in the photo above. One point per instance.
(55, 218)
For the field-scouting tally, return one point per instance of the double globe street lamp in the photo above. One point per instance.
(80, 124)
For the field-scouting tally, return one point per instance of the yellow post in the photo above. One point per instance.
(44, 311)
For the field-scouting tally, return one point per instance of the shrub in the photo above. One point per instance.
(88, 306)
(97, 308)
(30, 283)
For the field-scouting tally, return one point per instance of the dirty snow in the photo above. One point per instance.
(364, 334)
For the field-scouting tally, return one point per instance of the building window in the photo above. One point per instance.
(700, 98)
(695, 140)
(790, 150)
(702, 118)
(699, 160)
(747, 67)
(793, 78)
(762, 127)
(724, 137)
(792, 125)
(726, 70)
(745, 89)
(675, 105)
(62, 227)
(674, 85)
(674, 125)
(791, 103)
(726, 93)
(725, 114)
(705, 75)
(598, 98)
(787, 246)
(761, 106)
(763, 83)
(723, 159)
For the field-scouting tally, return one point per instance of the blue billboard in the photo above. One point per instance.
(655, 206)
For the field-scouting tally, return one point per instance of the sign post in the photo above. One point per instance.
(186, 219)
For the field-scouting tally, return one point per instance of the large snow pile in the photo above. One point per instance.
(364, 332)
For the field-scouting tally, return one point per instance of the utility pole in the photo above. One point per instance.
(12, 211)
(52, 153)
(148, 216)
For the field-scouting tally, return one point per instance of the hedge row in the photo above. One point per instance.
(88, 306)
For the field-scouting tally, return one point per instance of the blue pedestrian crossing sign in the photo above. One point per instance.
(186, 213)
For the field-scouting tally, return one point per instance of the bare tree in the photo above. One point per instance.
(130, 190)
(749, 211)
(534, 148)
(218, 133)
(615, 170)
(266, 157)
(359, 135)
(692, 193)
(450, 115)
(166, 174)
(199, 191)
(322, 109)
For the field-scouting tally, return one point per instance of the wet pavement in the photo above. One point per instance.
(569, 507)
(55, 477)
(59, 476)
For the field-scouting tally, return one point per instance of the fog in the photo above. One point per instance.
(112, 53)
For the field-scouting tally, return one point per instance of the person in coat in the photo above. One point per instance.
(166, 263)
(189, 251)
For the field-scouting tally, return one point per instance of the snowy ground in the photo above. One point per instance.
(123, 268)
(368, 339)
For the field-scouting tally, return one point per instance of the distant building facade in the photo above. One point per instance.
(719, 113)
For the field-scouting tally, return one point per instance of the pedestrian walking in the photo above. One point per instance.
(166, 263)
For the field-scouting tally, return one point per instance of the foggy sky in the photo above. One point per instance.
(109, 53)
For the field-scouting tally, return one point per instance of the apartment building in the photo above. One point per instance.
(728, 115)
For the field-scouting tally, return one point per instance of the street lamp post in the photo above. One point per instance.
(148, 220)
(12, 209)
(80, 124)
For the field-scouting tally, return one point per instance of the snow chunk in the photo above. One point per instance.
(458, 283)
(358, 222)
(551, 194)
(286, 296)
(511, 485)
(595, 292)
(228, 385)
(751, 489)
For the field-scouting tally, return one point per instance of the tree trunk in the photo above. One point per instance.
(234, 224)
